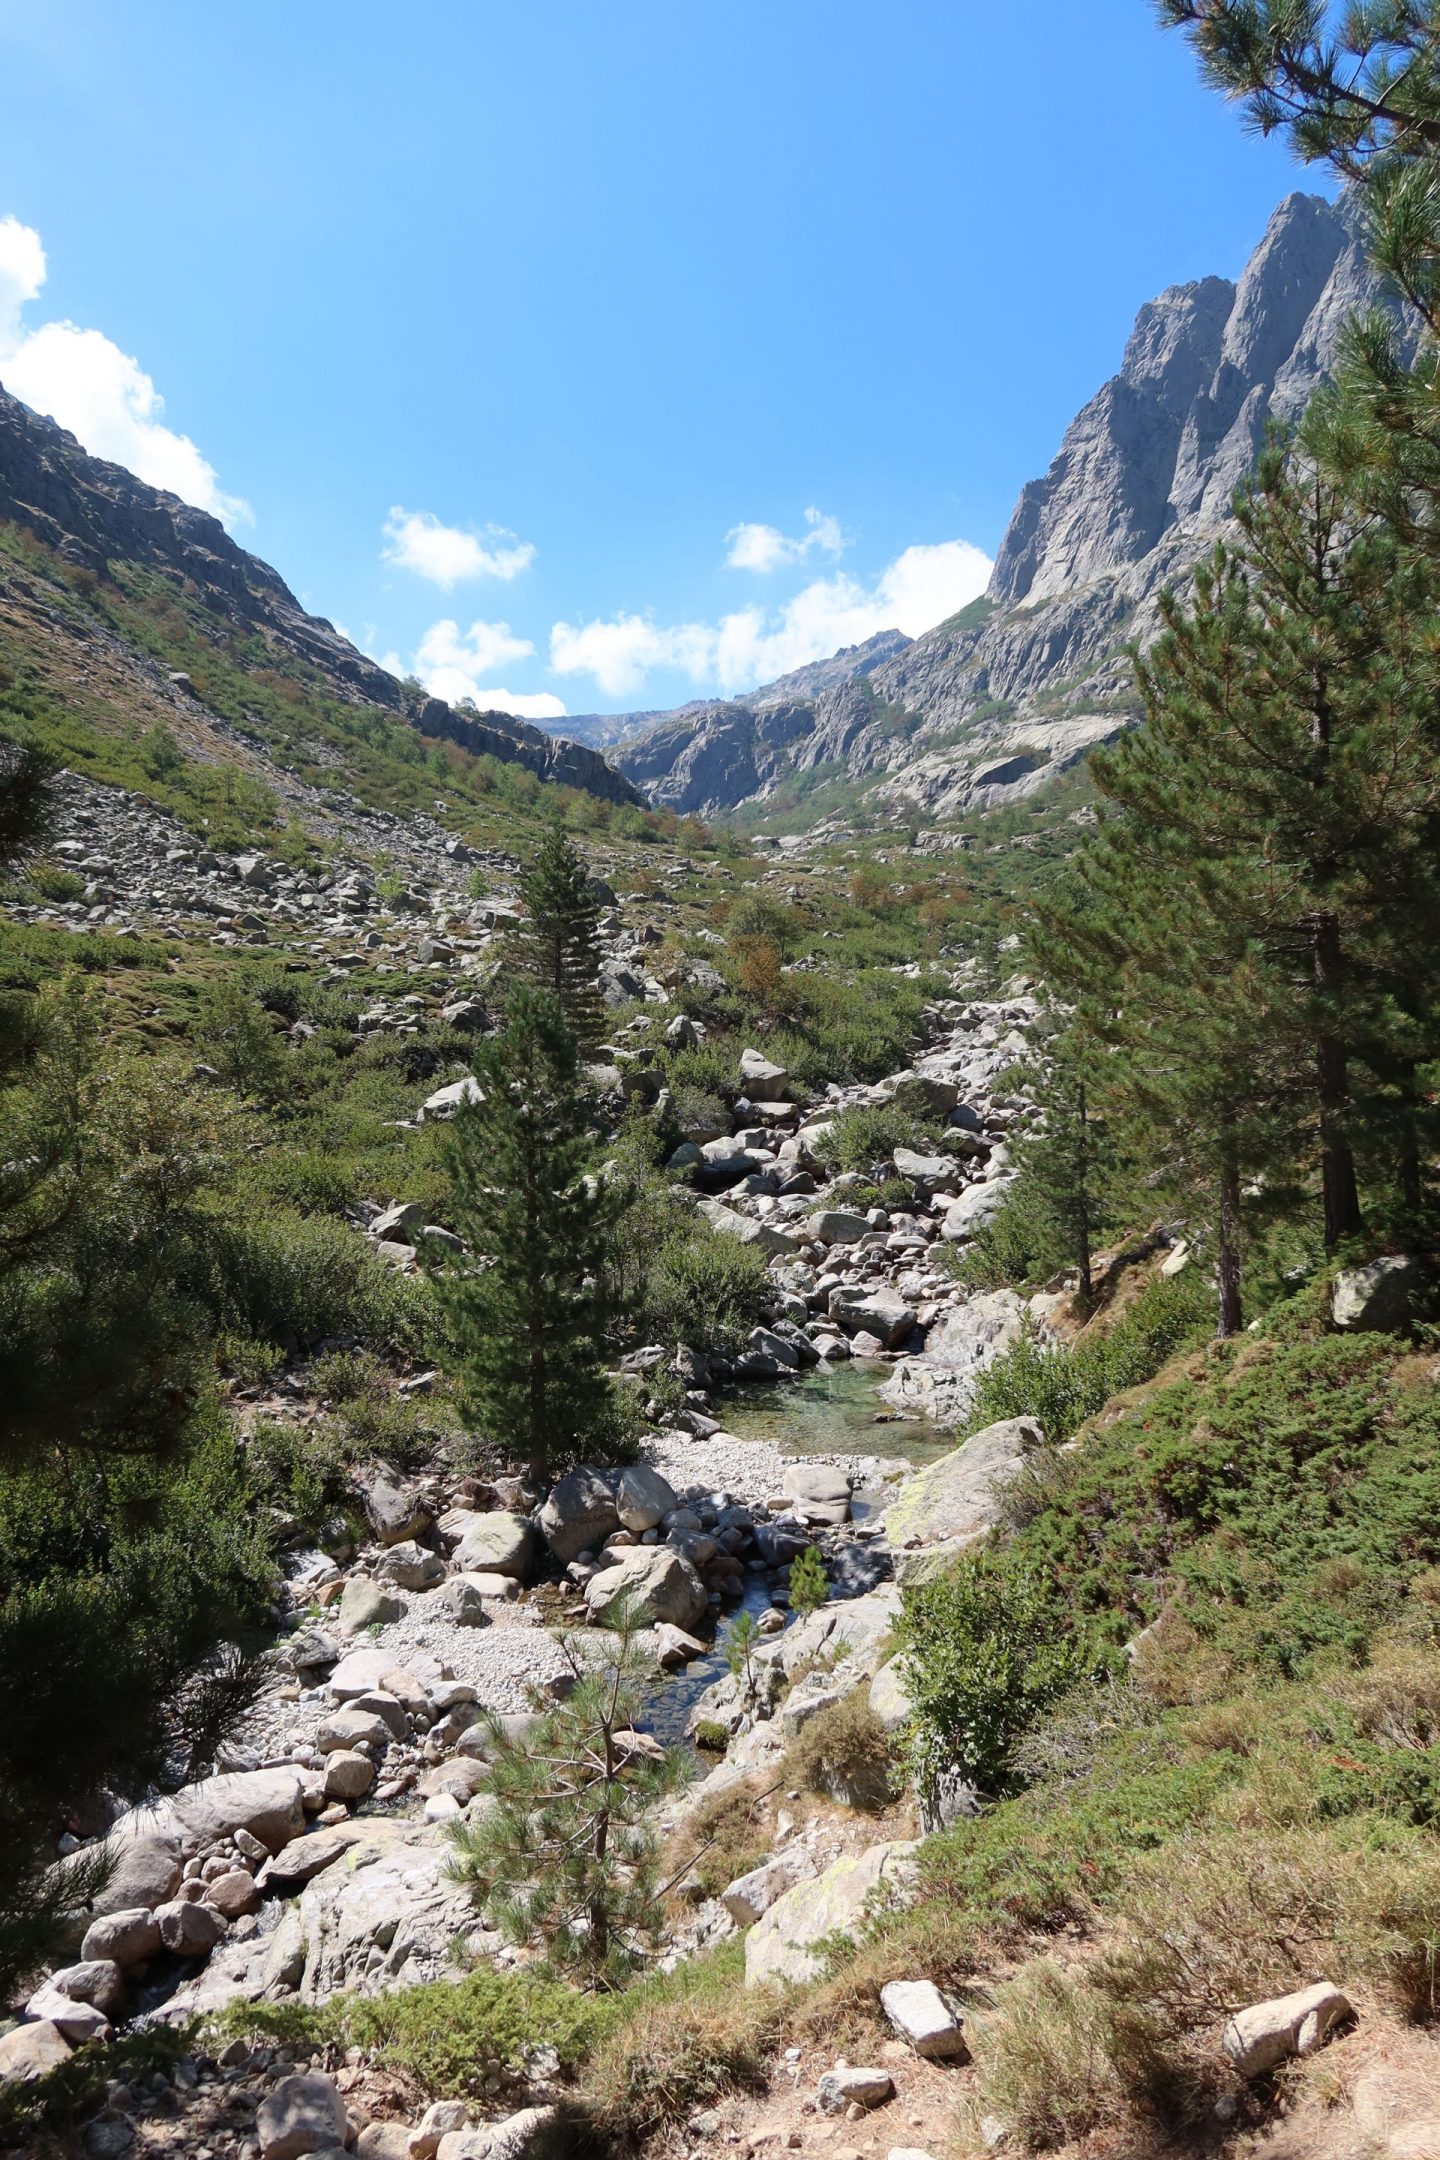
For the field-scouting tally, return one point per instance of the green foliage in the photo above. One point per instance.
(568, 1858)
(740, 1648)
(809, 1585)
(704, 1288)
(984, 1660)
(442, 2034)
(526, 1311)
(285, 1277)
(845, 1753)
(558, 945)
(1063, 1386)
(865, 1137)
(236, 1037)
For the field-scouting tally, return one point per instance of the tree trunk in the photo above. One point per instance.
(1340, 1192)
(1412, 1189)
(1082, 1205)
(1228, 1258)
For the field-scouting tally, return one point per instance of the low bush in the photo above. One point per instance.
(985, 1658)
(705, 1288)
(1057, 2058)
(292, 1278)
(866, 1136)
(721, 1838)
(1063, 1386)
(845, 1753)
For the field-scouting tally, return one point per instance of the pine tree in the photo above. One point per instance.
(568, 1856)
(558, 945)
(1067, 1159)
(526, 1310)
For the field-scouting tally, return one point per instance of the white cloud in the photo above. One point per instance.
(86, 383)
(919, 589)
(416, 540)
(453, 665)
(765, 547)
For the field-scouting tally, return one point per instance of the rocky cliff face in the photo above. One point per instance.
(1000, 700)
(93, 513)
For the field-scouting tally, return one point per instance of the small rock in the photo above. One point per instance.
(841, 2089)
(439, 2120)
(189, 1929)
(303, 2114)
(1261, 2037)
(926, 2018)
(348, 1776)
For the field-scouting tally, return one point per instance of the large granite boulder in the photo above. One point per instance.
(660, 1582)
(1379, 1299)
(956, 1500)
(940, 1382)
(882, 1312)
(579, 1514)
(784, 1943)
(498, 1543)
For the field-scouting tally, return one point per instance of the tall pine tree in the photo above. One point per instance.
(526, 1310)
(558, 945)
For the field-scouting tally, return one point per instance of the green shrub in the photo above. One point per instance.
(300, 1469)
(705, 1288)
(984, 1660)
(286, 1277)
(845, 1753)
(808, 1583)
(867, 1135)
(1062, 1387)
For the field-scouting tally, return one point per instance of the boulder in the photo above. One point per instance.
(447, 1100)
(306, 1857)
(189, 1928)
(785, 1943)
(401, 1220)
(925, 2017)
(1266, 2034)
(767, 1237)
(750, 1896)
(233, 1894)
(579, 1514)
(958, 1497)
(303, 2114)
(126, 1938)
(923, 1095)
(383, 1914)
(396, 1512)
(347, 1727)
(762, 1079)
(926, 1172)
(146, 1863)
(498, 1543)
(93, 1980)
(363, 1604)
(882, 1313)
(645, 1498)
(818, 1492)
(439, 2119)
(661, 1583)
(976, 1206)
(411, 1567)
(836, 1226)
(367, 1670)
(76, 2022)
(890, 1704)
(535, 2133)
(30, 2051)
(264, 1802)
(940, 1383)
(1379, 1299)
(348, 1775)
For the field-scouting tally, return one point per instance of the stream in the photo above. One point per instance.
(830, 1410)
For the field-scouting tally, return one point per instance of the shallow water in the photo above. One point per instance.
(830, 1410)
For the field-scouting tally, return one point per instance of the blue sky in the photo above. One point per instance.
(604, 355)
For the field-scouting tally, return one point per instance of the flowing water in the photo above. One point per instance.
(830, 1410)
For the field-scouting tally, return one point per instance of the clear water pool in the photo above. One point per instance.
(830, 1410)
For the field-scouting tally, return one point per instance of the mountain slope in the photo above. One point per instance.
(1019, 687)
(97, 522)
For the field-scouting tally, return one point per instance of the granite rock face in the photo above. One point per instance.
(1140, 486)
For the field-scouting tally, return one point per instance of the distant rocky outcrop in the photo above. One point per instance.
(1007, 695)
(95, 514)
